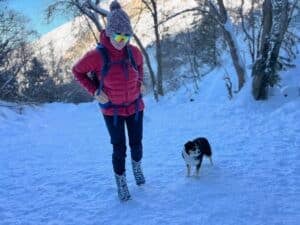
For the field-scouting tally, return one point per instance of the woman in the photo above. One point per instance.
(119, 69)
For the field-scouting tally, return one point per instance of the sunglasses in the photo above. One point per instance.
(121, 37)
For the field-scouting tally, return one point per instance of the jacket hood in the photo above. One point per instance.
(105, 40)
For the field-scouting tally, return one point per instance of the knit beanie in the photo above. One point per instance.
(117, 20)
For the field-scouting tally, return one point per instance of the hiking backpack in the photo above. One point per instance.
(107, 63)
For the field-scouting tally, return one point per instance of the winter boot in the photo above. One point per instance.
(137, 172)
(123, 191)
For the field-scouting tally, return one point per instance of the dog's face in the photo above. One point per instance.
(192, 149)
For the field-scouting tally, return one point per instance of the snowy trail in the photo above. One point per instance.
(56, 167)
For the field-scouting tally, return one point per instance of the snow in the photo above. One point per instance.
(61, 39)
(56, 162)
(66, 35)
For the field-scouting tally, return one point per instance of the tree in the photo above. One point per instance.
(38, 85)
(206, 33)
(151, 5)
(13, 30)
(274, 26)
(251, 25)
(8, 86)
(221, 15)
(88, 8)
(217, 11)
(264, 45)
(13, 34)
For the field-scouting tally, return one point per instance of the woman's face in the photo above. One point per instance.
(119, 41)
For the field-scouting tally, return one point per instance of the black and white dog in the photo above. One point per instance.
(193, 153)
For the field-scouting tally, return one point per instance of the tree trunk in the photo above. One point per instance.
(275, 23)
(160, 90)
(222, 18)
(148, 63)
(235, 58)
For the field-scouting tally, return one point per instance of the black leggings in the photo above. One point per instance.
(118, 139)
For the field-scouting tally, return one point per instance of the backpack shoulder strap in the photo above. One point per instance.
(106, 60)
(131, 58)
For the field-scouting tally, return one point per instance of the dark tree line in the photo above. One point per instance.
(13, 35)
(24, 75)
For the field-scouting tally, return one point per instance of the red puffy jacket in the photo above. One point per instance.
(119, 89)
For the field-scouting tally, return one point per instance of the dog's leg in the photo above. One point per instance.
(211, 162)
(198, 169)
(188, 167)
(198, 166)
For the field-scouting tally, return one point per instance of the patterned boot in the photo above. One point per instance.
(123, 191)
(137, 172)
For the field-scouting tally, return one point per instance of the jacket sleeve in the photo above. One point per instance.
(88, 63)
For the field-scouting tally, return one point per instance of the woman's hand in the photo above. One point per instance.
(142, 89)
(101, 97)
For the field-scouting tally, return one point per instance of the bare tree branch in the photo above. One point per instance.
(241, 9)
(148, 7)
(91, 29)
(223, 11)
(96, 8)
(182, 12)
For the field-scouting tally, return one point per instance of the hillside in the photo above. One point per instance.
(65, 37)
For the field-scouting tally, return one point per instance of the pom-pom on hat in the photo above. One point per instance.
(117, 20)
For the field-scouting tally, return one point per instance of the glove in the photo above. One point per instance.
(101, 97)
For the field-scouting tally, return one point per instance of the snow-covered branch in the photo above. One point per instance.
(96, 8)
